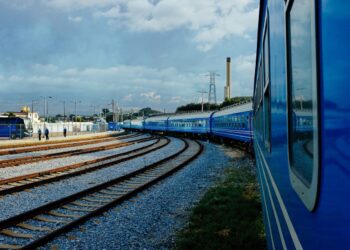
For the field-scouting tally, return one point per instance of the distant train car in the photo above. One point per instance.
(195, 123)
(156, 123)
(126, 124)
(302, 122)
(234, 123)
(137, 124)
(113, 126)
(12, 127)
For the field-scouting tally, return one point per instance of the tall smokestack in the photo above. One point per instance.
(227, 93)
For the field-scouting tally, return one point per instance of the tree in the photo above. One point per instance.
(197, 107)
(208, 107)
(235, 100)
(105, 111)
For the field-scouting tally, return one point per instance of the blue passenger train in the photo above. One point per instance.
(233, 122)
(302, 123)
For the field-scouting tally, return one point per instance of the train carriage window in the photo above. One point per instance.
(302, 99)
(267, 87)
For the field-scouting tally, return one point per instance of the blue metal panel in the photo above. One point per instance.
(189, 129)
(328, 227)
(237, 133)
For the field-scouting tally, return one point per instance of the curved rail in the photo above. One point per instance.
(60, 216)
(28, 144)
(66, 144)
(31, 159)
(25, 182)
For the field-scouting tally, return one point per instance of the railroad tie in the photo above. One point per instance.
(33, 228)
(77, 209)
(25, 181)
(84, 204)
(14, 234)
(63, 215)
(103, 196)
(110, 193)
(7, 246)
(95, 200)
(15, 184)
(44, 219)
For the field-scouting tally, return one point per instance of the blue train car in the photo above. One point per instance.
(156, 123)
(233, 123)
(137, 124)
(126, 124)
(302, 123)
(195, 123)
(12, 127)
(113, 126)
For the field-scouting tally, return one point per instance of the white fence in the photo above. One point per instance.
(72, 127)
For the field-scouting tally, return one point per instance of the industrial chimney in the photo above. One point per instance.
(227, 90)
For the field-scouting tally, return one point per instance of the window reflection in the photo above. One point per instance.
(302, 88)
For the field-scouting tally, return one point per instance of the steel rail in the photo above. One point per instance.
(32, 159)
(92, 201)
(37, 143)
(63, 145)
(25, 182)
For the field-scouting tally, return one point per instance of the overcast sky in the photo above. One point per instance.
(142, 53)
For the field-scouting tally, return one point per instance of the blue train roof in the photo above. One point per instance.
(235, 109)
(197, 115)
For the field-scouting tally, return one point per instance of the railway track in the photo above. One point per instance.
(31, 159)
(63, 145)
(37, 227)
(25, 182)
(28, 144)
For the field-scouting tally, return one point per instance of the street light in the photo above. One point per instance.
(75, 109)
(47, 107)
(46, 112)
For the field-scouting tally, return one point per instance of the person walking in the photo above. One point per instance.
(47, 133)
(39, 134)
(64, 132)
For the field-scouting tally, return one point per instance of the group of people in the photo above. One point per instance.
(47, 132)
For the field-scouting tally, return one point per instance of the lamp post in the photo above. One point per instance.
(46, 108)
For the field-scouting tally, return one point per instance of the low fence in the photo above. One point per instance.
(14, 131)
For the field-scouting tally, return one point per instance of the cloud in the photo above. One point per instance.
(210, 21)
(76, 19)
(45, 68)
(128, 98)
(243, 73)
(111, 13)
(71, 5)
(130, 85)
(151, 96)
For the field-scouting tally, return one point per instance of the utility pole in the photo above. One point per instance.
(44, 114)
(202, 92)
(75, 108)
(64, 111)
(113, 110)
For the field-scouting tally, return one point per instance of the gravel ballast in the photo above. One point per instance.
(60, 150)
(59, 162)
(11, 205)
(150, 220)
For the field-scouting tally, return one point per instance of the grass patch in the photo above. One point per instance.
(229, 215)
